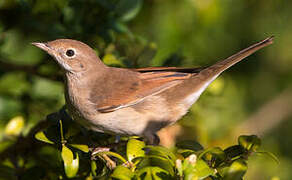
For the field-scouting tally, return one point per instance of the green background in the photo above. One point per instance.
(253, 97)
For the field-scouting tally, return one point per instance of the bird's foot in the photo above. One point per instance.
(152, 139)
(98, 152)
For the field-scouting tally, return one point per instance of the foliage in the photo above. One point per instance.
(186, 33)
(128, 159)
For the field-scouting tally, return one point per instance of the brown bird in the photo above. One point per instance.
(124, 101)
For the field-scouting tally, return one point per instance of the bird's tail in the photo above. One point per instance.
(221, 66)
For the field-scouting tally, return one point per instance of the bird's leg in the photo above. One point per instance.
(98, 150)
(117, 139)
(107, 147)
(152, 139)
(109, 162)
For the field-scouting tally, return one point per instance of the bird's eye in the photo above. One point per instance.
(70, 53)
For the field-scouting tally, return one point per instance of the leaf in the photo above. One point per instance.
(81, 147)
(159, 161)
(161, 151)
(236, 171)
(214, 155)
(235, 151)
(196, 169)
(188, 144)
(110, 59)
(93, 168)
(41, 136)
(14, 126)
(185, 152)
(135, 149)
(122, 173)
(128, 9)
(152, 172)
(203, 170)
(250, 143)
(70, 165)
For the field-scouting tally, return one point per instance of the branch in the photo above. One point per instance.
(269, 116)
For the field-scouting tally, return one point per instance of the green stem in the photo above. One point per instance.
(61, 131)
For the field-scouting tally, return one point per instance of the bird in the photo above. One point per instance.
(131, 102)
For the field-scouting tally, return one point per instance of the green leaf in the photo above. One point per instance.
(214, 155)
(203, 170)
(185, 152)
(81, 147)
(234, 152)
(128, 9)
(188, 144)
(153, 173)
(14, 126)
(71, 165)
(161, 151)
(93, 168)
(236, 171)
(110, 59)
(195, 169)
(41, 136)
(159, 161)
(250, 143)
(135, 149)
(122, 173)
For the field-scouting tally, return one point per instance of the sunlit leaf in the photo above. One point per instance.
(203, 170)
(196, 169)
(41, 136)
(110, 59)
(159, 161)
(161, 151)
(215, 155)
(81, 147)
(93, 168)
(14, 126)
(135, 149)
(71, 165)
(249, 142)
(153, 173)
(236, 171)
(122, 173)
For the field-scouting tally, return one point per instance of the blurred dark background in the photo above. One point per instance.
(253, 97)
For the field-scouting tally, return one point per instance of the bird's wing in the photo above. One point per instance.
(169, 69)
(133, 87)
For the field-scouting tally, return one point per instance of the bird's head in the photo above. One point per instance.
(73, 56)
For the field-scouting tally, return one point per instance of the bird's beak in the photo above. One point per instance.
(43, 46)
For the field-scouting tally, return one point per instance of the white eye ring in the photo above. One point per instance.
(70, 53)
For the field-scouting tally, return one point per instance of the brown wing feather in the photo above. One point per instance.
(132, 87)
(169, 69)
